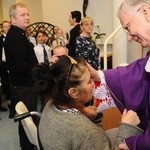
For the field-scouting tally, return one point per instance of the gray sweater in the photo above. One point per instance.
(60, 130)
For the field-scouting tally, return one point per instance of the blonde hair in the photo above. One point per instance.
(86, 19)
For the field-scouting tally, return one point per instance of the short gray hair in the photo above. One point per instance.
(131, 6)
(12, 9)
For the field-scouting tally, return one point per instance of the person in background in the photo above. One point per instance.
(47, 40)
(130, 86)
(21, 59)
(68, 85)
(42, 51)
(41, 28)
(29, 37)
(85, 47)
(58, 52)
(4, 73)
(54, 36)
(60, 39)
(43, 54)
(74, 20)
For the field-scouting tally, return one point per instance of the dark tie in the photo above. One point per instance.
(45, 55)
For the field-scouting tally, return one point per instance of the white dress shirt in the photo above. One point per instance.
(38, 49)
(3, 51)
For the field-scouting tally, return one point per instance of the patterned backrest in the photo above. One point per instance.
(34, 27)
(49, 28)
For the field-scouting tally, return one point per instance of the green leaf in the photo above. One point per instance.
(99, 35)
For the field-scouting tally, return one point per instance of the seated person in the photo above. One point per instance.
(54, 36)
(57, 52)
(43, 29)
(29, 37)
(42, 50)
(60, 39)
(43, 54)
(64, 124)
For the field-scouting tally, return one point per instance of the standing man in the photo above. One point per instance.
(4, 74)
(74, 20)
(20, 58)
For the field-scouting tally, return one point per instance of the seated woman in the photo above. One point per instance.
(64, 124)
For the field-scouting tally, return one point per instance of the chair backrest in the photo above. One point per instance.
(28, 124)
(48, 27)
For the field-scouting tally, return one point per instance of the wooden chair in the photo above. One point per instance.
(111, 118)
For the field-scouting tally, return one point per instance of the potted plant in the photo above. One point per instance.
(98, 36)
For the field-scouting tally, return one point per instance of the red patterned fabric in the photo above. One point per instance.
(103, 98)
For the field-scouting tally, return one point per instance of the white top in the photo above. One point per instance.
(32, 40)
(3, 52)
(59, 41)
(38, 49)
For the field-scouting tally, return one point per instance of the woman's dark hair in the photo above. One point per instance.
(51, 80)
(76, 15)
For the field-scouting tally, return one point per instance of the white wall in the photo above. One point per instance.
(36, 13)
(5, 7)
(35, 9)
(101, 12)
(57, 12)
(134, 51)
(1, 10)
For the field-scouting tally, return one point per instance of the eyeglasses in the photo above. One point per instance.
(126, 28)
(73, 62)
(88, 24)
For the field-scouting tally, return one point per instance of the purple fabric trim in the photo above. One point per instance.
(130, 85)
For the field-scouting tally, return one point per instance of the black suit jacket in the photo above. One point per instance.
(20, 57)
(74, 32)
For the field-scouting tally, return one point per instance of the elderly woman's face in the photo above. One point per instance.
(87, 27)
(87, 86)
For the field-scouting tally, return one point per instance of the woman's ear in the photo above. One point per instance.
(73, 92)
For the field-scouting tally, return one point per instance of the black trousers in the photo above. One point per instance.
(29, 98)
(5, 80)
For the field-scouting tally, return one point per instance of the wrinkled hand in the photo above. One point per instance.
(122, 146)
(130, 117)
(90, 112)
